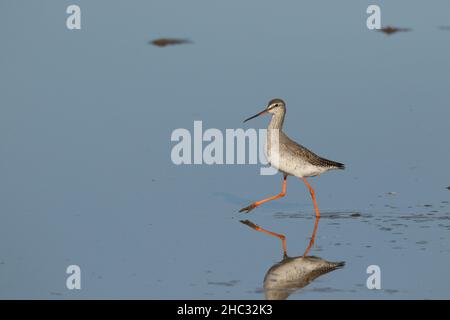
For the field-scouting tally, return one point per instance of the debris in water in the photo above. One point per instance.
(169, 41)
(391, 30)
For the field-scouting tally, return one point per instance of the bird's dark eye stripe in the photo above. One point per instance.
(275, 105)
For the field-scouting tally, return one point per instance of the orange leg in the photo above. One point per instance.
(311, 190)
(313, 237)
(258, 203)
(258, 228)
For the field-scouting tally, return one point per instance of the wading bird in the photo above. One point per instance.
(288, 156)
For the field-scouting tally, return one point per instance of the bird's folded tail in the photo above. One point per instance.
(333, 164)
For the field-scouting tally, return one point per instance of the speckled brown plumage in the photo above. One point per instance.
(307, 154)
(289, 157)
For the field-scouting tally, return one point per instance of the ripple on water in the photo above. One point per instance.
(323, 215)
(230, 283)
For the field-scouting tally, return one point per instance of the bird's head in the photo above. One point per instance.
(274, 106)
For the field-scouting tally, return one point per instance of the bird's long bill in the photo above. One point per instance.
(256, 115)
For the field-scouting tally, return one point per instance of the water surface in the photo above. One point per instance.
(86, 175)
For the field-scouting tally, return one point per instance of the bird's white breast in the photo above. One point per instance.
(289, 163)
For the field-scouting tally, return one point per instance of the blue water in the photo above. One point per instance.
(86, 118)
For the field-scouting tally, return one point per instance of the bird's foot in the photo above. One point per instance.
(248, 208)
(249, 223)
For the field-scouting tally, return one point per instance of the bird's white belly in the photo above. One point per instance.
(292, 165)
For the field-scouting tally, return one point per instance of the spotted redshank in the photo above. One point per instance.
(289, 157)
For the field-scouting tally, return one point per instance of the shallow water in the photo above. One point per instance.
(86, 175)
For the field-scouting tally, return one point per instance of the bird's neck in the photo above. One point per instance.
(277, 121)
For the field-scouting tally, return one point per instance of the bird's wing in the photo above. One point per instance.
(308, 155)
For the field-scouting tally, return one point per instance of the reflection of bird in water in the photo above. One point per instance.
(293, 273)
(169, 41)
(282, 237)
(288, 156)
(391, 30)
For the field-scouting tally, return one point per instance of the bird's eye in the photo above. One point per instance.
(276, 105)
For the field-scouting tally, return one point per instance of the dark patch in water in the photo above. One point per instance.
(328, 290)
(399, 225)
(163, 42)
(324, 215)
(230, 283)
(391, 291)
